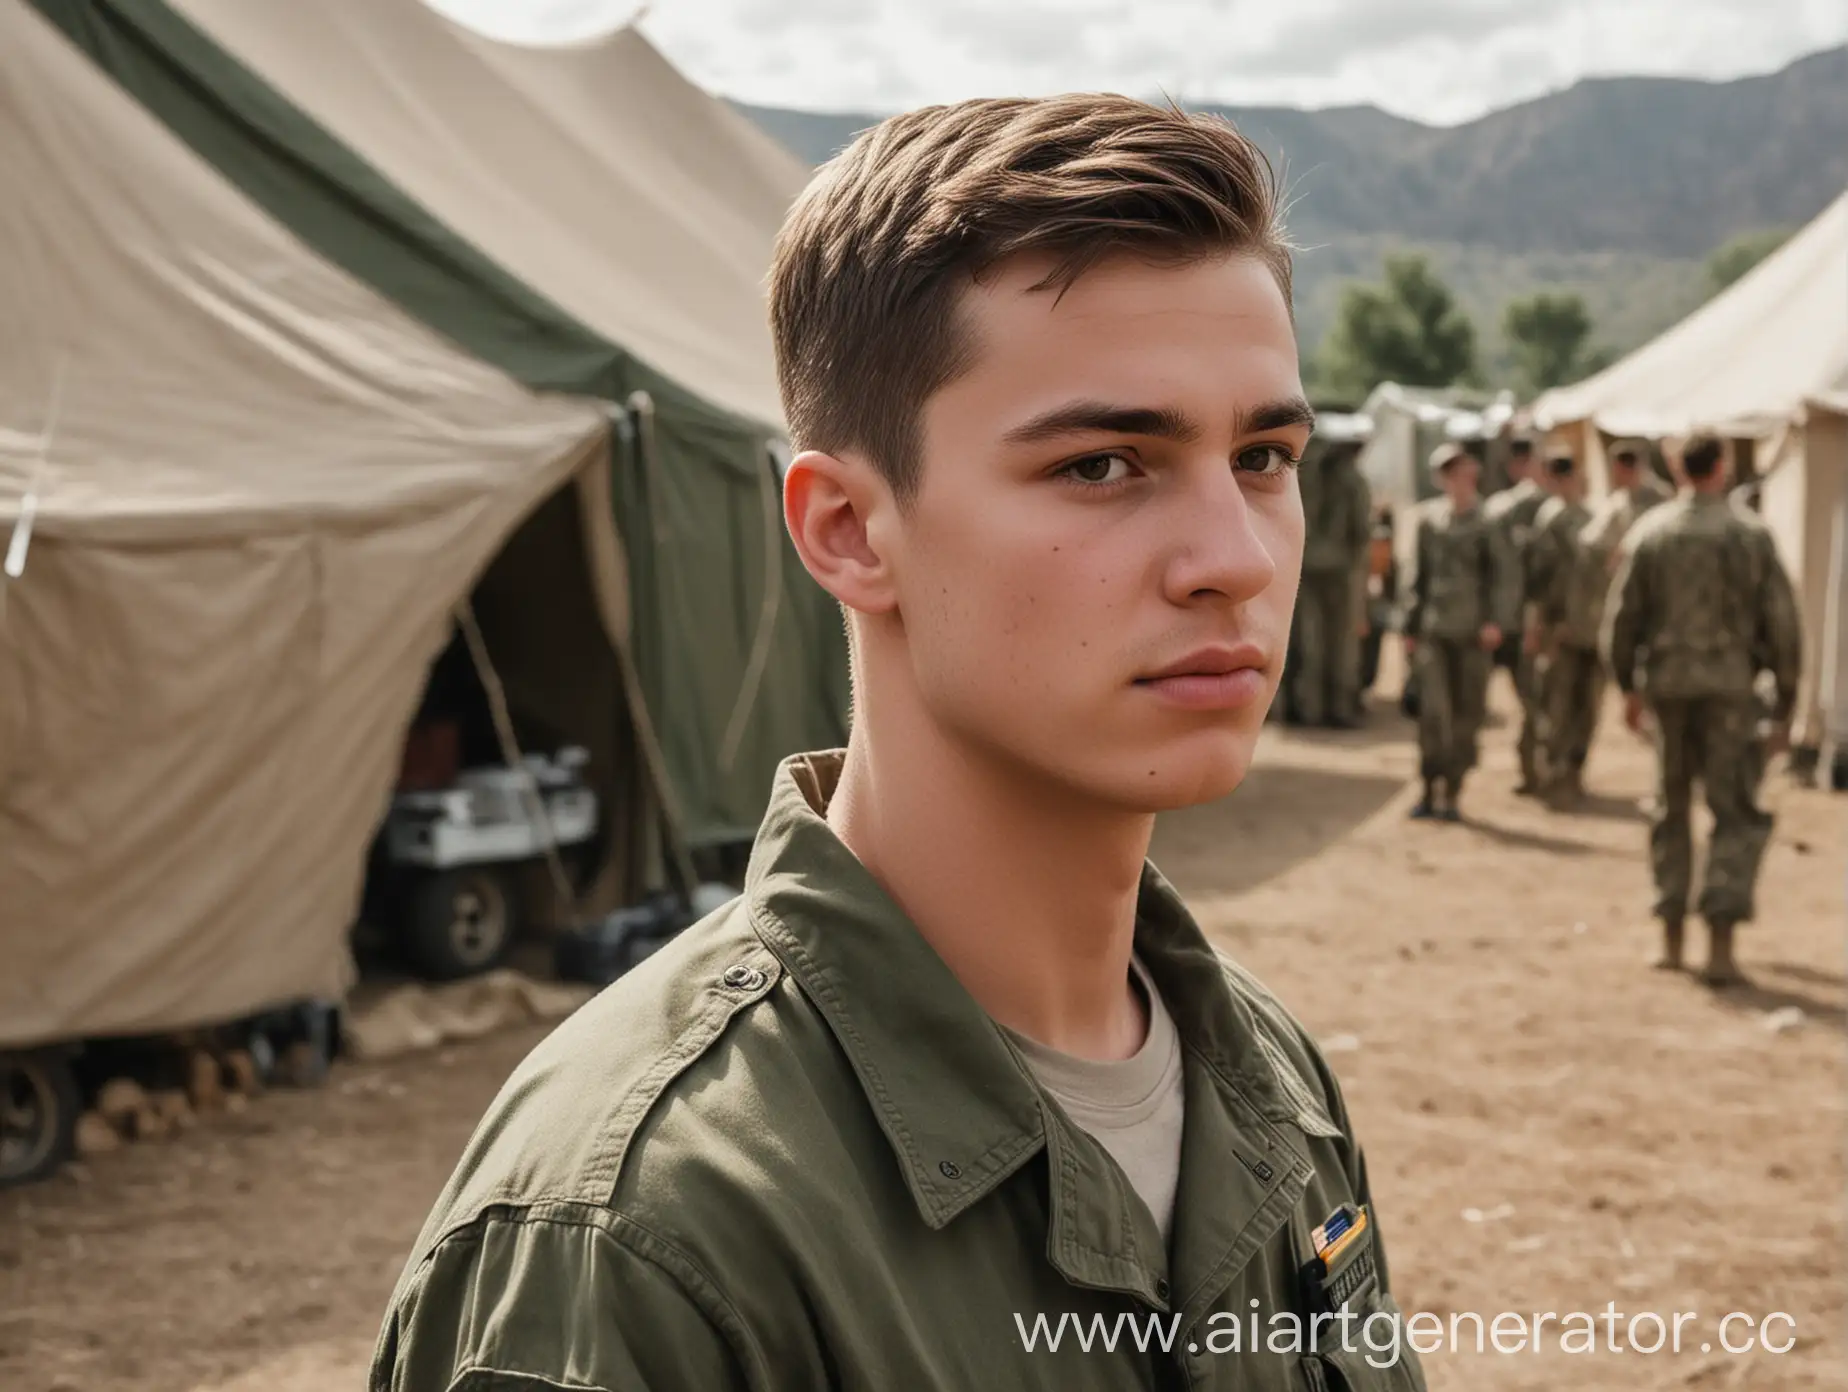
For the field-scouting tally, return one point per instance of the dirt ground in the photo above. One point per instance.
(1551, 1126)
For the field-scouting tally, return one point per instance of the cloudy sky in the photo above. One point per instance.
(1436, 60)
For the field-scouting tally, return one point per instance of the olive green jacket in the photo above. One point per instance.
(1553, 556)
(1514, 510)
(1464, 574)
(790, 1151)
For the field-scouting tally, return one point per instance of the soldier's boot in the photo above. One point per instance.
(1722, 969)
(1673, 937)
(1426, 806)
(1447, 810)
(1567, 788)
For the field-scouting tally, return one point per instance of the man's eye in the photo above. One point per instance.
(1098, 468)
(1266, 460)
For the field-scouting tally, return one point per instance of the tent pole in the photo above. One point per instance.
(1835, 614)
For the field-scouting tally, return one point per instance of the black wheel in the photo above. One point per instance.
(39, 1103)
(460, 922)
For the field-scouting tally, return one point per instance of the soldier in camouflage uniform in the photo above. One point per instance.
(1561, 637)
(1580, 570)
(1514, 510)
(1464, 596)
(1337, 518)
(1701, 605)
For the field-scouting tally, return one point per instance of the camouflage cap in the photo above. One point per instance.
(1445, 455)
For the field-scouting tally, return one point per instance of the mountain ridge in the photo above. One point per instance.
(1659, 165)
(1616, 188)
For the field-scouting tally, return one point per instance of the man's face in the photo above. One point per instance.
(1096, 575)
(1459, 480)
(1520, 467)
(1623, 471)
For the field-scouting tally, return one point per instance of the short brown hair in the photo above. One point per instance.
(873, 259)
(1701, 455)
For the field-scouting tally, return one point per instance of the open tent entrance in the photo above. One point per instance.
(545, 670)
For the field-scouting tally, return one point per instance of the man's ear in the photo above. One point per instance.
(833, 508)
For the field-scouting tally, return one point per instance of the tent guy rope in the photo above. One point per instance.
(15, 565)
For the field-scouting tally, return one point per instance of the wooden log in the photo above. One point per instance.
(173, 1109)
(241, 1073)
(121, 1100)
(205, 1087)
(96, 1135)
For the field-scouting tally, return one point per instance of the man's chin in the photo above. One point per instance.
(1187, 773)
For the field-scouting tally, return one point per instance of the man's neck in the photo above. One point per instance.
(1026, 890)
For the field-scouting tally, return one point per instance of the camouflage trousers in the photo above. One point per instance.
(1714, 740)
(1571, 688)
(1453, 688)
(1325, 681)
(1527, 686)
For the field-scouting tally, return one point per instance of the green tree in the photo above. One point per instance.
(1408, 329)
(1547, 335)
(1738, 256)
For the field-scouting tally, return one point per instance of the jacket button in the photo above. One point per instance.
(1161, 1289)
(949, 1169)
(742, 978)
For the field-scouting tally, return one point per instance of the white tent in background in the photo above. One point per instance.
(1767, 360)
(1406, 423)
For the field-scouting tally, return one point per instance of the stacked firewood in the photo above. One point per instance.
(126, 1111)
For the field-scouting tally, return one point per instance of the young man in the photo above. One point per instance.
(1465, 596)
(1701, 606)
(1562, 636)
(958, 1058)
(1514, 510)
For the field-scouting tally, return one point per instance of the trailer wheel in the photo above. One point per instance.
(39, 1105)
(459, 922)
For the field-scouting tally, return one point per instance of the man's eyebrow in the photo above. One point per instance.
(1163, 422)
(1105, 418)
(1274, 415)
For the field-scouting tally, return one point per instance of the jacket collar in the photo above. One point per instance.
(959, 1108)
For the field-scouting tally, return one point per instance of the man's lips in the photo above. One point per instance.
(1216, 661)
(1215, 678)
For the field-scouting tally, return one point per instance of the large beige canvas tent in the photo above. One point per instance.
(589, 222)
(259, 488)
(596, 174)
(1766, 360)
(545, 383)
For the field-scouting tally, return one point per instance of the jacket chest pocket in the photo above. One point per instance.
(1374, 1358)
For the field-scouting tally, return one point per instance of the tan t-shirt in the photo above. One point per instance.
(1133, 1107)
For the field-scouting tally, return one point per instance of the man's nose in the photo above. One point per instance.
(1218, 552)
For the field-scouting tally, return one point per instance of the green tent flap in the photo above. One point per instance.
(691, 518)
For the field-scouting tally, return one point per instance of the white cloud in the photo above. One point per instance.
(1436, 60)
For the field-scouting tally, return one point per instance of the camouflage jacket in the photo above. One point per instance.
(1464, 574)
(1553, 555)
(1701, 605)
(1597, 556)
(1516, 511)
